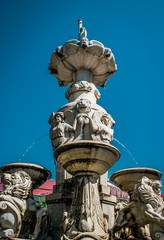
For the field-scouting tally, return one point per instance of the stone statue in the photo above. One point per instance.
(19, 215)
(146, 207)
(102, 124)
(13, 202)
(82, 120)
(60, 131)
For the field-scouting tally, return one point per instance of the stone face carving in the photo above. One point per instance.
(17, 187)
(146, 207)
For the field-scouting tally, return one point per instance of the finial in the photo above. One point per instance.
(80, 25)
(82, 31)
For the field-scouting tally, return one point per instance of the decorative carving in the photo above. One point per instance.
(17, 187)
(19, 215)
(83, 86)
(60, 131)
(82, 53)
(85, 218)
(146, 207)
(82, 120)
(82, 124)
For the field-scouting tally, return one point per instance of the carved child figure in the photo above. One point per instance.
(102, 127)
(106, 131)
(60, 131)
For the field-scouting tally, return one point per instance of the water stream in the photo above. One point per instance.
(126, 150)
(31, 146)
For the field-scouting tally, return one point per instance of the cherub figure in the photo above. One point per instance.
(102, 128)
(106, 131)
(60, 131)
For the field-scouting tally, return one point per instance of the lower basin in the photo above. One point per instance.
(37, 173)
(86, 156)
(127, 178)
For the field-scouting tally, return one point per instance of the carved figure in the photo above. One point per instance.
(83, 36)
(147, 201)
(17, 187)
(82, 120)
(85, 218)
(102, 129)
(60, 131)
(106, 131)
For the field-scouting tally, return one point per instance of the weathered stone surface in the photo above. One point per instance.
(143, 217)
(19, 216)
(127, 178)
(81, 132)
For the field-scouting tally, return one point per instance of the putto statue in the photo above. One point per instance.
(81, 123)
(60, 131)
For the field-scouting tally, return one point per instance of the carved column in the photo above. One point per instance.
(81, 131)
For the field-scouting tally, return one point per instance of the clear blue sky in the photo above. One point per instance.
(32, 29)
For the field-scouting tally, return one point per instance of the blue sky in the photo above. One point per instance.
(32, 29)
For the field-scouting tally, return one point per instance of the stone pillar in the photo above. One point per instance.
(81, 134)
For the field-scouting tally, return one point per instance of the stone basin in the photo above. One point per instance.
(86, 156)
(127, 178)
(37, 173)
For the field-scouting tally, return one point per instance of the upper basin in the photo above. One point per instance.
(86, 156)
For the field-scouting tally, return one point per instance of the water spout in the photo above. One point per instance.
(126, 150)
(31, 146)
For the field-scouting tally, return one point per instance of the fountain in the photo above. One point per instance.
(81, 133)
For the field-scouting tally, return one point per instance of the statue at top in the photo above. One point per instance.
(83, 35)
(82, 53)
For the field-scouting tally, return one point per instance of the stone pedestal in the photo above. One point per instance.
(60, 201)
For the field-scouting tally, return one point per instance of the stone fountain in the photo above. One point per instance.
(81, 207)
(81, 133)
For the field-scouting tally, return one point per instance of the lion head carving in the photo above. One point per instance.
(17, 184)
(149, 192)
